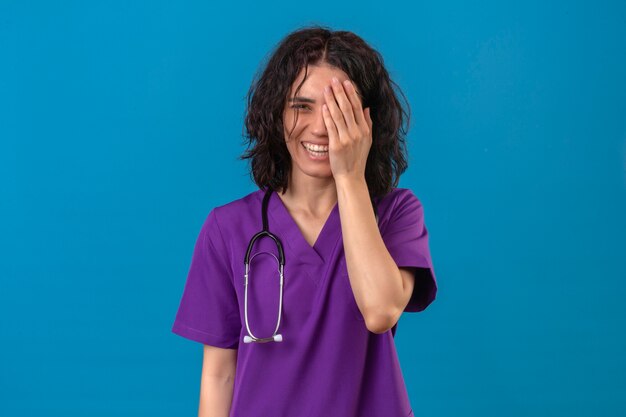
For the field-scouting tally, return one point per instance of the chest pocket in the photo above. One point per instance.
(347, 295)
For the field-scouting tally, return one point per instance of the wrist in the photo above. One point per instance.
(350, 181)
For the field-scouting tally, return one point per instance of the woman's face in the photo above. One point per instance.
(310, 127)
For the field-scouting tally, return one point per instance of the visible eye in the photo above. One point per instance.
(300, 106)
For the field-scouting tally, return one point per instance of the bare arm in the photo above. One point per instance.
(218, 377)
(380, 288)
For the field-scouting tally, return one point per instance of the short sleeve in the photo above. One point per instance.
(406, 239)
(208, 310)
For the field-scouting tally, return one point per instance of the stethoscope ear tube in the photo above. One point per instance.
(250, 337)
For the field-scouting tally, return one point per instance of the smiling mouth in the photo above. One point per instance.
(316, 154)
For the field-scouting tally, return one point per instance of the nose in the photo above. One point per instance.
(319, 126)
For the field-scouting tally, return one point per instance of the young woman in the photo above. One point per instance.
(327, 149)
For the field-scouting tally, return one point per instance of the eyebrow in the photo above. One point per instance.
(301, 99)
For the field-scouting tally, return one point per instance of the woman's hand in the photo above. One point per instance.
(349, 130)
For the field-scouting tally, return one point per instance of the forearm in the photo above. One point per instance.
(374, 276)
(216, 395)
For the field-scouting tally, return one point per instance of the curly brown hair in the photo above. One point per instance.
(315, 45)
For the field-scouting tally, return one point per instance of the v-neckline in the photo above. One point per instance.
(293, 236)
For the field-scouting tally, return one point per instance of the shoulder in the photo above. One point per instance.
(228, 218)
(398, 206)
(236, 208)
(397, 198)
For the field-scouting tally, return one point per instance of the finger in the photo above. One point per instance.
(355, 100)
(344, 104)
(331, 128)
(368, 118)
(335, 113)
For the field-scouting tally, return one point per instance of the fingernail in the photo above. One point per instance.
(335, 80)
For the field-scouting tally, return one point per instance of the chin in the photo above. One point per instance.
(316, 173)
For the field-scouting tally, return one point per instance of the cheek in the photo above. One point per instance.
(293, 132)
(291, 144)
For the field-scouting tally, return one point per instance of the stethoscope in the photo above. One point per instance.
(275, 337)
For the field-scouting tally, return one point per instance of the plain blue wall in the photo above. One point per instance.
(120, 127)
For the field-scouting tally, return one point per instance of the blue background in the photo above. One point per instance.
(120, 127)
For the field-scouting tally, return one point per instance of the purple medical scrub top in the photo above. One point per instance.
(329, 363)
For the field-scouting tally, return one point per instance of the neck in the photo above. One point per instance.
(314, 196)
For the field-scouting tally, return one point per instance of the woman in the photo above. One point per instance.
(328, 148)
